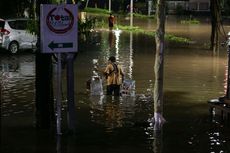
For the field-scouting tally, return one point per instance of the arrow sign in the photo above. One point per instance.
(53, 45)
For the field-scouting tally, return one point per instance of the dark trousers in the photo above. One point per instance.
(113, 90)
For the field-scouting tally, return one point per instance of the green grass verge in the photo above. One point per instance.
(190, 21)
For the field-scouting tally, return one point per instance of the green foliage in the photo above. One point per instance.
(87, 25)
(140, 5)
(32, 26)
(227, 7)
(101, 23)
(179, 10)
(96, 10)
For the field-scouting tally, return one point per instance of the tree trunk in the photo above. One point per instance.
(159, 62)
(215, 22)
(44, 87)
(87, 2)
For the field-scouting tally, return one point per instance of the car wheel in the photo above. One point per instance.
(13, 47)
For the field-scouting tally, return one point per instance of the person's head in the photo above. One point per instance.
(112, 59)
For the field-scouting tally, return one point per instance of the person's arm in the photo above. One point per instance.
(104, 71)
(113, 19)
(122, 74)
(101, 70)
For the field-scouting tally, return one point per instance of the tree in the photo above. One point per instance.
(14, 8)
(87, 3)
(159, 64)
(226, 7)
(215, 22)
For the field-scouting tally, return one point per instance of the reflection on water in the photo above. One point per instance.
(112, 112)
(17, 84)
(108, 124)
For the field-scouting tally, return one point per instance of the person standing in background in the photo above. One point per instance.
(111, 20)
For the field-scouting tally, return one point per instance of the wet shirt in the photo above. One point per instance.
(114, 74)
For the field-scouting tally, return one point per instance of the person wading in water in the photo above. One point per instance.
(114, 77)
(111, 20)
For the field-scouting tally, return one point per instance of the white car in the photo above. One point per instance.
(14, 35)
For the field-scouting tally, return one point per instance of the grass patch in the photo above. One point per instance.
(129, 28)
(171, 38)
(190, 21)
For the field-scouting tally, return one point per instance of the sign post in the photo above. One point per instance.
(59, 35)
(59, 28)
(58, 99)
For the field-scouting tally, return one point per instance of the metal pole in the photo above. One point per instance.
(70, 92)
(109, 5)
(58, 102)
(70, 89)
(150, 3)
(131, 13)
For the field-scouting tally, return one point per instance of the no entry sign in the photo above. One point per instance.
(58, 27)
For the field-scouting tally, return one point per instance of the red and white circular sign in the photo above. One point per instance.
(60, 21)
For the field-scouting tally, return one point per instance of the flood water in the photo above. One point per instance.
(192, 76)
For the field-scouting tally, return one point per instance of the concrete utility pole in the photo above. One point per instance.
(159, 64)
(131, 13)
(150, 4)
(87, 2)
(109, 5)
